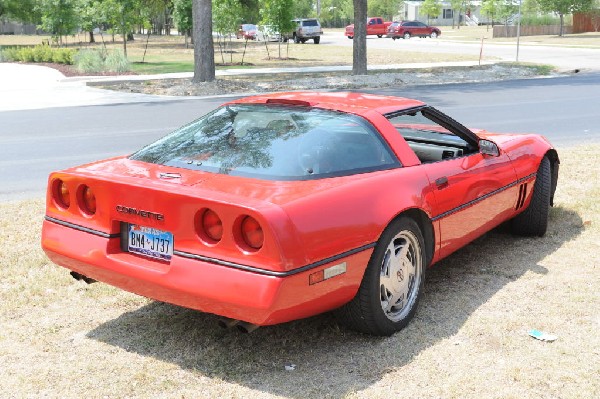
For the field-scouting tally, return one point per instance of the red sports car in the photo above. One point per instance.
(278, 207)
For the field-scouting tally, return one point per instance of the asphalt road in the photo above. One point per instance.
(35, 142)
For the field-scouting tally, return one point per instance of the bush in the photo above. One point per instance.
(538, 20)
(89, 61)
(63, 56)
(116, 62)
(41, 53)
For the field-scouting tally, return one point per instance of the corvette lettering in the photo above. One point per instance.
(141, 213)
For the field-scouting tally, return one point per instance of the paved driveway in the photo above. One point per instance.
(36, 87)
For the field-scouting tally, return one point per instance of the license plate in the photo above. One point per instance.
(150, 242)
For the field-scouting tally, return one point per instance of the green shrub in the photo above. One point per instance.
(89, 61)
(26, 54)
(116, 62)
(42, 53)
(63, 56)
(538, 20)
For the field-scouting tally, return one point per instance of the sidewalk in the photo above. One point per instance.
(24, 87)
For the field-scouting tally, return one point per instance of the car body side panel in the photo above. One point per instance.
(356, 214)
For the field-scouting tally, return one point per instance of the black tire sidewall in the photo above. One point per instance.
(383, 325)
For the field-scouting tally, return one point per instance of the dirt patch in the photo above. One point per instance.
(333, 81)
(70, 70)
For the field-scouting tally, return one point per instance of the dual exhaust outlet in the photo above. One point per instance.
(242, 326)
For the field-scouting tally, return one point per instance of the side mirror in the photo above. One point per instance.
(487, 147)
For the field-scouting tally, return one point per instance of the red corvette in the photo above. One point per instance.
(278, 207)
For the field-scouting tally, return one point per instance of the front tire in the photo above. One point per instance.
(533, 221)
(433, 35)
(392, 284)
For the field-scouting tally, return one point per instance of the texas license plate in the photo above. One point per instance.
(150, 242)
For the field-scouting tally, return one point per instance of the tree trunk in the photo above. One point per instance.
(359, 45)
(204, 49)
(92, 40)
(562, 25)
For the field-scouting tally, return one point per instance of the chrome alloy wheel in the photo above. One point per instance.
(400, 277)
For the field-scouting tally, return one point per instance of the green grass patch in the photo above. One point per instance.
(151, 68)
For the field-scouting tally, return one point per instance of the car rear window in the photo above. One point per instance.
(273, 142)
(310, 22)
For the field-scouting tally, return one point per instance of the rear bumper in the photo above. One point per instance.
(238, 294)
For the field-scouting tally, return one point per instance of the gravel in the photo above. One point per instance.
(332, 81)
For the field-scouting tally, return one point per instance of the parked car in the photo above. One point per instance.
(407, 29)
(375, 26)
(282, 206)
(269, 33)
(306, 29)
(246, 31)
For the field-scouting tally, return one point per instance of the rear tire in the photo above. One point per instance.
(406, 35)
(392, 284)
(350, 37)
(533, 221)
(380, 36)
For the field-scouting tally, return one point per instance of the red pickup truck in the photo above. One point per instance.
(375, 26)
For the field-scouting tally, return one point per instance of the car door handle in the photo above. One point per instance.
(441, 182)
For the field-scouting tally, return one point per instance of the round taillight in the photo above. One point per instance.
(252, 233)
(212, 225)
(61, 194)
(88, 200)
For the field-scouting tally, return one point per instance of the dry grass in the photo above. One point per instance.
(172, 50)
(61, 338)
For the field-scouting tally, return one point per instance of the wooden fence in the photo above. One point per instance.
(511, 31)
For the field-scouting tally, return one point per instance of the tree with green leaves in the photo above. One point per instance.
(565, 7)
(204, 48)
(456, 5)
(278, 14)
(123, 16)
(304, 8)
(336, 13)
(431, 8)
(250, 13)
(489, 8)
(383, 8)
(89, 16)
(182, 16)
(359, 45)
(59, 17)
(226, 17)
(25, 11)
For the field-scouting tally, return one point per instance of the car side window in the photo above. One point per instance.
(430, 141)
